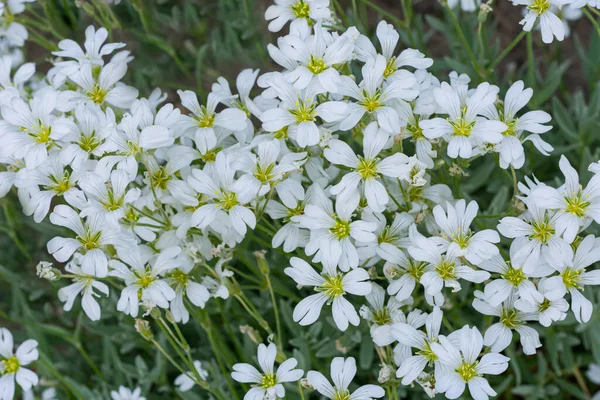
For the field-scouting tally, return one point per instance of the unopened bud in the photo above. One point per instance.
(169, 316)
(252, 333)
(385, 373)
(143, 328)
(339, 346)
(304, 383)
(263, 266)
(44, 270)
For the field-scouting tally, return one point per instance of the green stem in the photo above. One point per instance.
(463, 39)
(386, 14)
(530, 61)
(507, 50)
(276, 311)
(592, 19)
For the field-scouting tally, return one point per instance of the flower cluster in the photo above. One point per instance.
(341, 160)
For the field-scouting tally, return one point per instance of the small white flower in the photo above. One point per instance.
(145, 282)
(300, 12)
(548, 311)
(455, 226)
(184, 284)
(268, 384)
(44, 271)
(12, 365)
(367, 170)
(462, 366)
(408, 335)
(342, 373)
(105, 88)
(127, 394)
(185, 382)
(83, 284)
(576, 206)
(499, 335)
(551, 25)
(331, 287)
(573, 277)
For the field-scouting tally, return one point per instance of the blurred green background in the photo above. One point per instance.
(187, 44)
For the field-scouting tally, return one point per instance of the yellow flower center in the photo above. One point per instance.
(160, 178)
(462, 128)
(113, 203)
(576, 205)
(145, 279)
(544, 305)
(390, 68)
(338, 395)
(371, 102)
(205, 119)
(97, 94)
(416, 269)
(282, 133)
(510, 131)
(316, 65)
(467, 371)
(304, 112)
(514, 276)
(427, 353)
(341, 229)
(542, 231)
(132, 148)
(11, 365)
(446, 270)
(60, 185)
(571, 278)
(268, 381)
(301, 9)
(228, 200)
(211, 155)
(382, 316)
(90, 240)
(265, 174)
(181, 278)
(88, 144)
(539, 6)
(333, 286)
(510, 318)
(367, 168)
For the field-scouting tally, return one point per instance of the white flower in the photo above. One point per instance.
(293, 200)
(183, 282)
(551, 25)
(263, 171)
(105, 88)
(408, 335)
(443, 269)
(14, 32)
(108, 199)
(548, 311)
(83, 284)
(403, 273)
(573, 277)
(464, 368)
(33, 128)
(91, 237)
(225, 205)
(499, 335)
(455, 227)
(12, 365)
(390, 237)
(205, 121)
(13, 87)
(576, 206)
(536, 231)
(145, 282)
(332, 233)
(373, 99)
(462, 128)
(297, 113)
(513, 277)
(412, 128)
(268, 384)
(127, 394)
(185, 382)
(367, 170)
(382, 315)
(300, 12)
(342, 373)
(331, 287)
(318, 57)
(510, 147)
(465, 5)
(93, 52)
(388, 39)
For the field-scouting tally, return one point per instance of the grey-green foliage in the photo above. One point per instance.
(188, 44)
